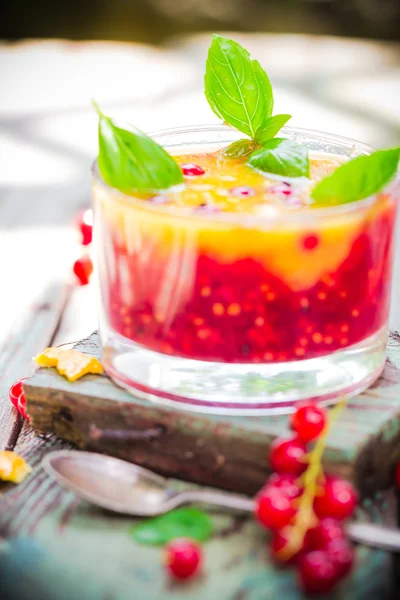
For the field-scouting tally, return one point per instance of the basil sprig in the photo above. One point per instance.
(131, 161)
(357, 179)
(236, 87)
(239, 92)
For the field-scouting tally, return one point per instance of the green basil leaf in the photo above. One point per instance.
(357, 179)
(240, 149)
(265, 87)
(236, 87)
(182, 522)
(271, 128)
(131, 161)
(280, 156)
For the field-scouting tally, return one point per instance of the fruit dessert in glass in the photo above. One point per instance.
(237, 289)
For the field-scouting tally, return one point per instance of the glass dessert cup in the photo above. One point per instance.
(236, 313)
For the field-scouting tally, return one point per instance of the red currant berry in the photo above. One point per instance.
(242, 191)
(286, 482)
(281, 540)
(191, 170)
(288, 456)
(84, 222)
(320, 536)
(338, 499)
(397, 475)
(274, 508)
(308, 421)
(183, 558)
(15, 391)
(83, 268)
(341, 553)
(317, 572)
(310, 241)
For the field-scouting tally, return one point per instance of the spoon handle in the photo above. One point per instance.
(223, 499)
(370, 534)
(377, 536)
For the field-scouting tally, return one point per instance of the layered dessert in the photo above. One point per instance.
(243, 266)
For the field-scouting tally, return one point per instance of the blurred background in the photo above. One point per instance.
(334, 65)
(156, 20)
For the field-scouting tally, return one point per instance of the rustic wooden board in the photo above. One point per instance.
(225, 452)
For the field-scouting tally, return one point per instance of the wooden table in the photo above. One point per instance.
(48, 139)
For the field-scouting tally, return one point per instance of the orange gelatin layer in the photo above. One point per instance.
(277, 280)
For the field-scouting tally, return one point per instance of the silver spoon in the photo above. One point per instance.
(126, 488)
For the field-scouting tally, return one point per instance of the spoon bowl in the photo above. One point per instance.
(109, 482)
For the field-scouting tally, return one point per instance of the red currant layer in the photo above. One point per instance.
(189, 303)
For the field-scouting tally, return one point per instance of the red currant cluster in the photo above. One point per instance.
(83, 267)
(304, 508)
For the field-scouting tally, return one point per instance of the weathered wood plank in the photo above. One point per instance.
(226, 452)
(29, 337)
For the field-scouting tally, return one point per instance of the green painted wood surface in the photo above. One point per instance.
(58, 548)
(227, 452)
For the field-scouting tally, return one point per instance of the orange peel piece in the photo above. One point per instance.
(13, 467)
(72, 364)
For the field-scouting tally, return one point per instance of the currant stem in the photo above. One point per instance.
(305, 515)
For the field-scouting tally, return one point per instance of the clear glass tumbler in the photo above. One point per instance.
(242, 314)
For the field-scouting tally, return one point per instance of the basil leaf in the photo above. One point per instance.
(131, 161)
(182, 522)
(283, 157)
(271, 127)
(265, 87)
(240, 149)
(357, 179)
(236, 87)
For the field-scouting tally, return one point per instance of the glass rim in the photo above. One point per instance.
(247, 219)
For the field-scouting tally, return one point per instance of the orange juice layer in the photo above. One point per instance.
(263, 223)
